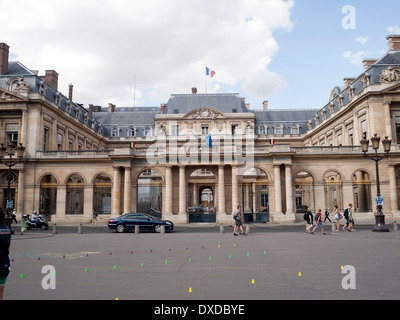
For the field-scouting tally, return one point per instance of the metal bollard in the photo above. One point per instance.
(221, 228)
(54, 229)
(395, 226)
(247, 229)
(162, 229)
(80, 229)
(137, 229)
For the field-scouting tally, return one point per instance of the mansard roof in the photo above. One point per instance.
(225, 103)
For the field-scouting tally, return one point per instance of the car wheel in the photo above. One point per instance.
(157, 228)
(120, 228)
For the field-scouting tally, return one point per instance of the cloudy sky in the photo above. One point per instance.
(126, 52)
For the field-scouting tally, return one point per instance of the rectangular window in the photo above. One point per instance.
(12, 134)
(175, 130)
(295, 130)
(397, 120)
(45, 138)
(339, 138)
(70, 145)
(204, 129)
(350, 133)
(364, 128)
(235, 129)
(59, 141)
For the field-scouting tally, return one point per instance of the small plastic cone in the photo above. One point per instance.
(253, 282)
(190, 289)
(299, 274)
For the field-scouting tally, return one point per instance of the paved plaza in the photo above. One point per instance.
(200, 263)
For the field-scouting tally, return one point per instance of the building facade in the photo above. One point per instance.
(198, 156)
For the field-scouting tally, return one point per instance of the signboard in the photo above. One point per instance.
(10, 204)
(379, 201)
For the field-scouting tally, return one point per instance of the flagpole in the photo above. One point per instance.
(205, 78)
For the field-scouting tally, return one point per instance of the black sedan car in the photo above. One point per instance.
(128, 222)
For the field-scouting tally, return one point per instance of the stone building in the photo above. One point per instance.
(198, 156)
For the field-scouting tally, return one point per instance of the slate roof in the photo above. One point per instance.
(225, 103)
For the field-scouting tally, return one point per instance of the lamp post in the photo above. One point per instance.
(11, 150)
(379, 217)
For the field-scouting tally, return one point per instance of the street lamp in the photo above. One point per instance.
(11, 150)
(379, 217)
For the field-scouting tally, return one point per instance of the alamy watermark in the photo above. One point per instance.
(349, 20)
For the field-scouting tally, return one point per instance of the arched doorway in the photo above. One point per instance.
(361, 191)
(333, 190)
(304, 191)
(102, 194)
(75, 195)
(149, 193)
(48, 196)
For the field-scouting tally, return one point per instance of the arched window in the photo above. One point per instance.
(74, 199)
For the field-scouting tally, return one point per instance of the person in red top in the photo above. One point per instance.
(319, 223)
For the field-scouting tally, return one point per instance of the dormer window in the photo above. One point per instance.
(262, 130)
(131, 132)
(279, 130)
(114, 132)
(294, 130)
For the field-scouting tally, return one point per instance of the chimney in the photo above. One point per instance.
(111, 107)
(348, 81)
(4, 52)
(51, 78)
(90, 109)
(163, 107)
(71, 90)
(368, 63)
(393, 41)
(265, 105)
(35, 72)
(194, 90)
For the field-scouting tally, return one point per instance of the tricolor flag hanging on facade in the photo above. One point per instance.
(271, 141)
(132, 145)
(210, 72)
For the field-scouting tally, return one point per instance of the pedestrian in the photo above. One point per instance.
(318, 220)
(5, 240)
(351, 218)
(327, 216)
(13, 216)
(348, 216)
(94, 217)
(238, 222)
(337, 216)
(309, 218)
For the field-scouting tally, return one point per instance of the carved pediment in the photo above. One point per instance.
(204, 114)
(7, 96)
(389, 75)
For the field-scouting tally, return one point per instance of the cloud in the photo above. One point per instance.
(165, 45)
(362, 40)
(356, 57)
(393, 29)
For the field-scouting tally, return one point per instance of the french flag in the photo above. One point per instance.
(210, 72)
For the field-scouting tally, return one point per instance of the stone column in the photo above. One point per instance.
(61, 197)
(289, 192)
(116, 193)
(168, 190)
(88, 202)
(195, 195)
(127, 190)
(235, 198)
(182, 193)
(278, 192)
(221, 193)
(253, 188)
